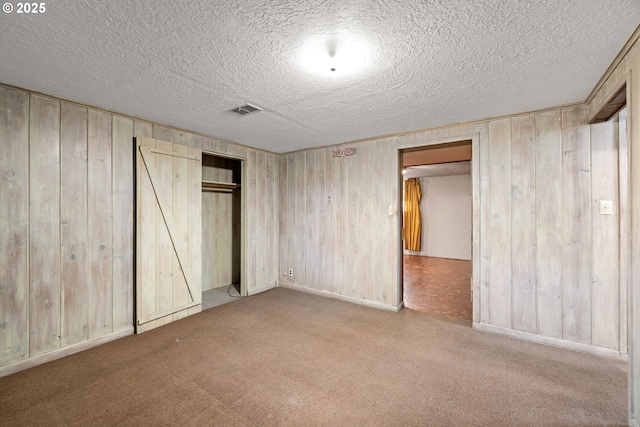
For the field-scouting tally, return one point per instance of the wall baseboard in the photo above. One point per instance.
(374, 304)
(554, 342)
(262, 289)
(67, 351)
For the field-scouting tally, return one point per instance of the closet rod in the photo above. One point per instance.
(212, 184)
(217, 190)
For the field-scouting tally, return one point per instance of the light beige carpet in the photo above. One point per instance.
(285, 358)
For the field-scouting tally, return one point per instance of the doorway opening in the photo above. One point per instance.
(221, 230)
(437, 229)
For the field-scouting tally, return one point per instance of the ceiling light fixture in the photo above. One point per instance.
(341, 55)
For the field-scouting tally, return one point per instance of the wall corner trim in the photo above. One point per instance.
(353, 300)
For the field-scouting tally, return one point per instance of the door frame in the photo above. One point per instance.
(474, 137)
(243, 217)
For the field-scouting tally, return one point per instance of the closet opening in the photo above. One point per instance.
(221, 230)
(437, 229)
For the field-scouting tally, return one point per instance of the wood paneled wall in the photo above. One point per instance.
(334, 229)
(66, 227)
(546, 262)
(66, 236)
(627, 73)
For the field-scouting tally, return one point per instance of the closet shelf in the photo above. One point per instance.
(216, 184)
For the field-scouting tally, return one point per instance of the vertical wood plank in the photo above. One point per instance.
(222, 146)
(44, 199)
(162, 133)
(194, 193)
(99, 224)
(379, 208)
(168, 274)
(207, 240)
(145, 239)
(340, 250)
(73, 223)
(261, 219)
(179, 186)
(523, 223)
(274, 208)
(549, 208)
(123, 235)
(291, 215)
(331, 211)
(623, 182)
(368, 213)
(222, 235)
(320, 214)
(355, 222)
(343, 214)
(283, 228)
(241, 151)
(312, 214)
(208, 145)
(392, 279)
(500, 222)
(142, 128)
(14, 225)
(605, 235)
(484, 168)
(299, 272)
(577, 226)
(251, 210)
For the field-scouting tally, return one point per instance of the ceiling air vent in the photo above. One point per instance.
(246, 109)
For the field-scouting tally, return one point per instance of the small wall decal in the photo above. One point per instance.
(344, 152)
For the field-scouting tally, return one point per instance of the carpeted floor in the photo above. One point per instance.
(285, 358)
(438, 285)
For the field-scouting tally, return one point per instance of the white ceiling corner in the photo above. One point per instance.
(429, 63)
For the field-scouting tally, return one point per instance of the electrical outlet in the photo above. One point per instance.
(291, 272)
(606, 207)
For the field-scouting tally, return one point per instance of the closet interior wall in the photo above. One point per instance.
(221, 219)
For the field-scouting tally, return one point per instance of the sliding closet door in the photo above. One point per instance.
(168, 232)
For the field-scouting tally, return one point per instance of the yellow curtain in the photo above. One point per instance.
(412, 217)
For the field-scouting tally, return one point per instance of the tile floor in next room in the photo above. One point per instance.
(438, 285)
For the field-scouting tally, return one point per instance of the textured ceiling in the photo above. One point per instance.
(428, 63)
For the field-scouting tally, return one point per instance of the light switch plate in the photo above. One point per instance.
(390, 210)
(606, 207)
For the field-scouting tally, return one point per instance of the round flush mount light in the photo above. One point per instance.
(333, 56)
